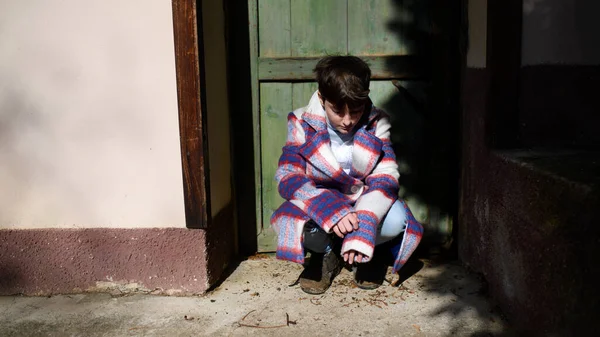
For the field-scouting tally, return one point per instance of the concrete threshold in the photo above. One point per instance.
(439, 300)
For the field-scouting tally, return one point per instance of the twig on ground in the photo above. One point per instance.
(371, 302)
(136, 328)
(263, 327)
(287, 323)
(348, 304)
(287, 318)
(246, 315)
(382, 301)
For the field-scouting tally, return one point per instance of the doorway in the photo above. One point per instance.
(411, 81)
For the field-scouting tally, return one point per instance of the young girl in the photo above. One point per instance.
(339, 175)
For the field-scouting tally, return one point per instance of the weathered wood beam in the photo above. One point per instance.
(404, 67)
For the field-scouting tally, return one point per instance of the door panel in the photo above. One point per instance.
(302, 92)
(273, 22)
(273, 121)
(318, 27)
(381, 92)
(407, 122)
(368, 34)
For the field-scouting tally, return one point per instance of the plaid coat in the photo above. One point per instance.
(316, 187)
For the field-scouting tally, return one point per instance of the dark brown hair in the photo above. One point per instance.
(343, 80)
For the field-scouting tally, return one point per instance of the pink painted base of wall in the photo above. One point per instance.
(49, 261)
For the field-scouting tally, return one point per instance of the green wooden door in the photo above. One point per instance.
(287, 38)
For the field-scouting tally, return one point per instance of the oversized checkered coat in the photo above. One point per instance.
(316, 187)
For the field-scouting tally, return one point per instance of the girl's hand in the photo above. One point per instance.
(352, 255)
(346, 225)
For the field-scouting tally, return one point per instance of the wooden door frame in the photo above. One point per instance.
(189, 63)
(191, 98)
(253, 38)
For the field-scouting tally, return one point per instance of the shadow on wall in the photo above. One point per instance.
(560, 75)
(27, 153)
(561, 32)
(21, 127)
(425, 115)
(586, 28)
(13, 167)
(9, 278)
(425, 112)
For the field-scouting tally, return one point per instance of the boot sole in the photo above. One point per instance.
(314, 288)
(367, 285)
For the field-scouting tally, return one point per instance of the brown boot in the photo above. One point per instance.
(370, 275)
(320, 272)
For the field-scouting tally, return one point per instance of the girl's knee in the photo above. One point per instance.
(394, 222)
(315, 239)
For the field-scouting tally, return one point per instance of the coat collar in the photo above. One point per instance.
(317, 150)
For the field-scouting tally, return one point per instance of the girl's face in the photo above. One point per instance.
(343, 120)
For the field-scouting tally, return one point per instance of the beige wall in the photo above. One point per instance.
(476, 56)
(88, 115)
(216, 104)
